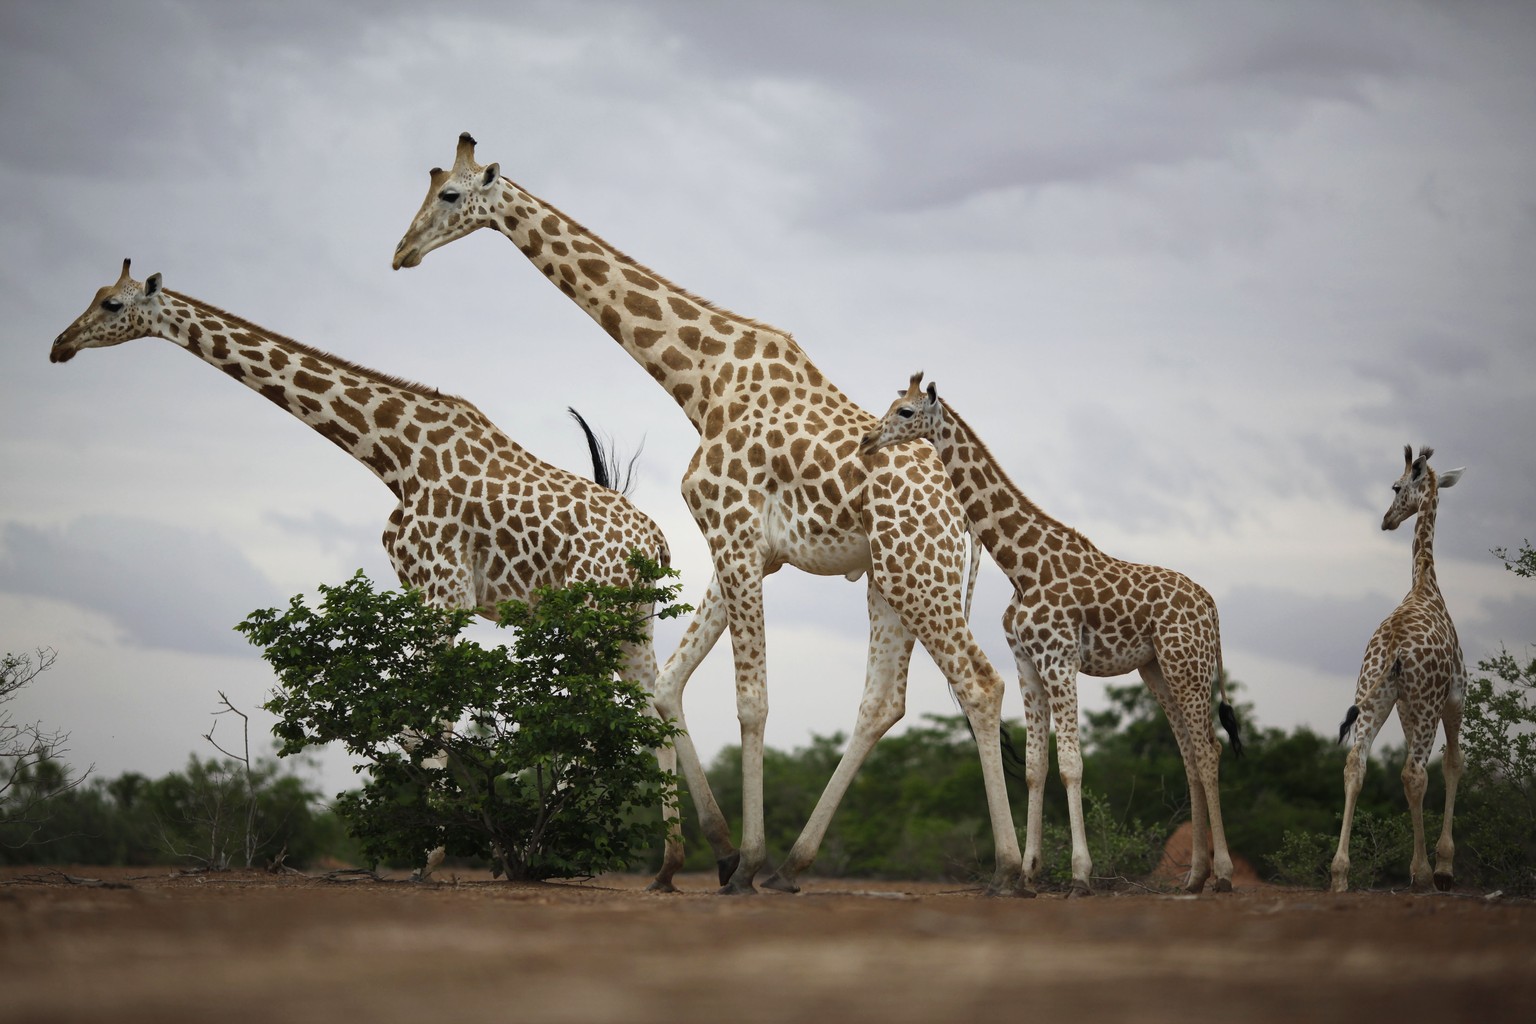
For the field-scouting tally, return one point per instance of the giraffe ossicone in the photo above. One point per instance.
(776, 480)
(1412, 662)
(1077, 610)
(478, 520)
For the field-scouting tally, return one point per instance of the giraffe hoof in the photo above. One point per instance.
(1444, 881)
(778, 883)
(659, 886)
(738, 889)
(727, 867)
(1222, 885)
(1078, 890)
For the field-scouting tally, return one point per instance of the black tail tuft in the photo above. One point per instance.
(605, 464)
(1349, 720)
(1013, 761)
(1229, 722)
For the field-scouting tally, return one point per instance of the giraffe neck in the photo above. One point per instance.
(378, 420)
(685, 343)
(1012, 527)
(1424, 542)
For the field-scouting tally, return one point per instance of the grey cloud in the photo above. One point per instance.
(165, 587)
(1323, 633)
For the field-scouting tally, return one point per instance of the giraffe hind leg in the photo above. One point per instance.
(1452, 764)
(882, 706)
(1420, 733)
(1370, 713)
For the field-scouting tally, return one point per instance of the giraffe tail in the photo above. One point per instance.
(1365, 694)
(605, 464)
(974, 537)
(1224, 712)
(1349, 721)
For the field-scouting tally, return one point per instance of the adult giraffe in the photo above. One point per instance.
(479, 519)
(1413, 662)
(1076, 609)
(777, 480)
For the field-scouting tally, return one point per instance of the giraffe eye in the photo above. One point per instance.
(448, 195)
(1397, 488)
(111, 305)
(905, 414)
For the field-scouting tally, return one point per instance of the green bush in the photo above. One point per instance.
(1123, 849)
(1496, 806)
(533, 756)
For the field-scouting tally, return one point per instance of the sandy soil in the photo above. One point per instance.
(248, 946)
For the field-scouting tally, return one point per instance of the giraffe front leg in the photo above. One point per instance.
(882, 706)
(703, 632)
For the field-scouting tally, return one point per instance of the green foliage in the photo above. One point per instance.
(202, 815)
(1380, 848)
(533, 756)
(1303, 858)
(1121, 849)
(31, 774)
(1496, 807)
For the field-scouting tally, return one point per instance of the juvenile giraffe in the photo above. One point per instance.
(1076, 609)
(1413, 661)
(776, 480)
(479, 520)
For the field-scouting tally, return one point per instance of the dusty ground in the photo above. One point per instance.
(247, 946)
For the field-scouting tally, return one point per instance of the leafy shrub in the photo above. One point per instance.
(1122, 848)
(532, 756)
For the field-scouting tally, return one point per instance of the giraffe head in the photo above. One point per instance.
(459, 200)
(1416, 488)
(915, 413)
(120, 312)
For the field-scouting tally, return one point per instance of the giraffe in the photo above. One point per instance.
(1413, 661)
(776, 480)
(479, 519)
(1076, 609)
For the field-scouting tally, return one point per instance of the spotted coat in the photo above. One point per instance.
(479, 519)
(776, 480)
(1077, 610)
(1413, 662)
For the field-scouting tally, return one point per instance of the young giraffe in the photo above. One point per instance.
(479, 521)
(1076, 609)
(776, 481)
(1414, 661)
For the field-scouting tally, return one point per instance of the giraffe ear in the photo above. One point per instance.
(933, 393)
(1450, 476)
(489, 175)
(151, 285)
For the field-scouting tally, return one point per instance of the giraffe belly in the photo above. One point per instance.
(811, 547)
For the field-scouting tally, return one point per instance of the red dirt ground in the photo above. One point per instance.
(247, 946)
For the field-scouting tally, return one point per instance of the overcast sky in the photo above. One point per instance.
(1196, 271)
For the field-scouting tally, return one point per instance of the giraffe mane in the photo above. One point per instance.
(635, 264)
(1025, 500)
(340, 363)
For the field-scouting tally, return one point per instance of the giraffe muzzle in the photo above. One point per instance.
(62, 351)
